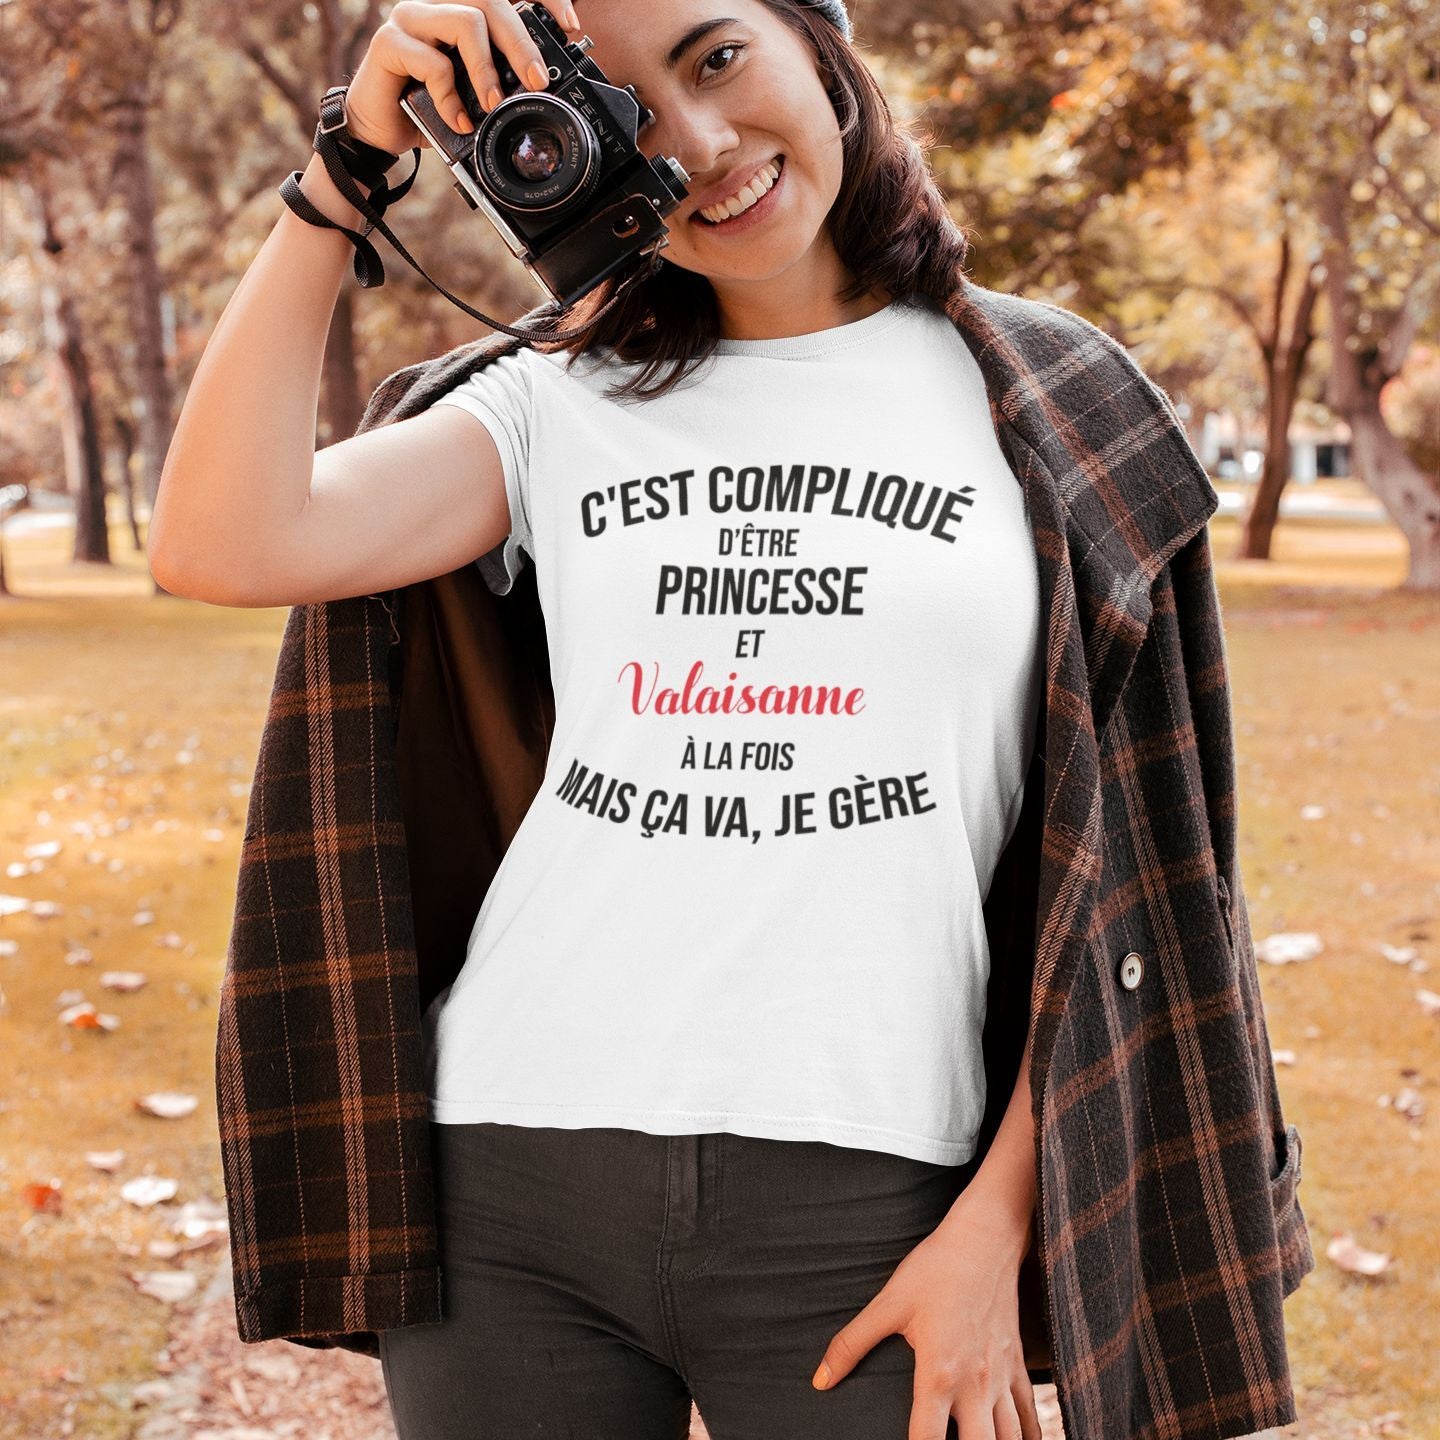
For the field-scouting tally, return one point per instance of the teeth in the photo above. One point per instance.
(749, 193)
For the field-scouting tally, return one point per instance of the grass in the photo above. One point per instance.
(129, 727)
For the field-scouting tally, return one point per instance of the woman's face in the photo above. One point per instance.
(731, 87)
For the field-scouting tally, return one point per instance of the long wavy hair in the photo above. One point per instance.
(889, 224)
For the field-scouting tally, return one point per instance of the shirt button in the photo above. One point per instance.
(1132, 970)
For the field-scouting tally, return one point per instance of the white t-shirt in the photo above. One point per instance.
(793, 616)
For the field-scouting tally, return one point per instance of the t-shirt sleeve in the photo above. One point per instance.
(499, 395)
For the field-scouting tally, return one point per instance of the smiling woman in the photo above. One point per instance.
(791, 148)
(577, 1100)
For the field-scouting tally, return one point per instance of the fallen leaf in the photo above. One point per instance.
(43, 1196)
(1283, 1057)
(169, 1285)
(1409, 1103)
(146, 1190)
(1288, 946)
(242, 1400)
(107, 1160)
(151, 1392)
(1399, 954)
(122, 979)
(168, 1104)
(1355, 1259)
(282, 1369)
(1429, 1001)
(202, 1219)
(84, 1016)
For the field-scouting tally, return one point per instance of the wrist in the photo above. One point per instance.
(1009, 1232)
(322, 192)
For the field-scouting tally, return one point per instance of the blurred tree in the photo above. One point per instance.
(292, 54)
(301, 50)
(29, 147)
(80, 434)
(81, 74)
(1044, 118)
(1346, 98)
(1074, 143)
(1075, 137)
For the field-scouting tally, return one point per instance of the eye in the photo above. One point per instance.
(719, 50)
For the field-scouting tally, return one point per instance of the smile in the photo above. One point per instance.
(751, 202)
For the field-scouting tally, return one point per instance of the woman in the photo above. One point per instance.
(703, 1115)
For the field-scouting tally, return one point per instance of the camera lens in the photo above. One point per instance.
(535, 152)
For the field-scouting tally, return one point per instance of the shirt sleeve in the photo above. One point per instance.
(499, 395)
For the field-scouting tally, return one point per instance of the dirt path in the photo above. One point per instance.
(218, 1388)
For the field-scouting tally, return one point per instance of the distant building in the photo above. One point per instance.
(1317, 452)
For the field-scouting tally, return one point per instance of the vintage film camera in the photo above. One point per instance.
(557, 171)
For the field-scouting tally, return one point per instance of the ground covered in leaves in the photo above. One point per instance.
(128, 732)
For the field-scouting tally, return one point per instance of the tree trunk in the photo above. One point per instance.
(80, 430)
(342, 405)
(1284, 356)
(1257, 525)
(135, 184)
(92, 536)
(1360, 367)
(125, 433)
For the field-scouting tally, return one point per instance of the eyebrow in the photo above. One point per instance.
(691, 37)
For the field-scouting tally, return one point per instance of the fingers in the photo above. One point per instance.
(1005, 1419)
(514, 42)
(406, 55)
(939, 1393)
(472, 26)
(930, 1416)
(1022, 1395)
(853, 1341)
(564, 12)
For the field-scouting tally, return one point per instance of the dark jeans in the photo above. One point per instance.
(595, 1280)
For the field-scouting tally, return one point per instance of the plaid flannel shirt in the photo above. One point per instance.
(407, 734)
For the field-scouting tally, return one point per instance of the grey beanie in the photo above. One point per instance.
(834, 11)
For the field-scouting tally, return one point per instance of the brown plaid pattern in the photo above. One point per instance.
(407, 733)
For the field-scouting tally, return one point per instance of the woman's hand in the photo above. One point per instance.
(406, 48)
(955, 1299)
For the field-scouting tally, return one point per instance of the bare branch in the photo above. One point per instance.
(295, 96)
(1241, 310)
(359, 37)
(1397, 191)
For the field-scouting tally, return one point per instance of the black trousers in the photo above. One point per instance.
(595, 1281)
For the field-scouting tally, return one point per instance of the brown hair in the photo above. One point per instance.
(670, 318)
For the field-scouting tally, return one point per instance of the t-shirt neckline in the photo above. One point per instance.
(818, 342)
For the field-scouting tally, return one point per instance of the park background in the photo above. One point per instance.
(1245, 194)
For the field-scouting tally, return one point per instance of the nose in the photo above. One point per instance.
(699, 137)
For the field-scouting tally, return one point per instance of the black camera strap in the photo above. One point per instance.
(368, 270)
